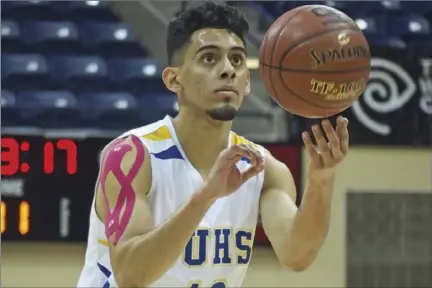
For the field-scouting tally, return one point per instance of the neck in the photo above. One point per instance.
(201, 138)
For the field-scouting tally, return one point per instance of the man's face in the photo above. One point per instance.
(214, 77)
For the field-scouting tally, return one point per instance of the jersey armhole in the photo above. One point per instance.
(154, 175)
(153, 185)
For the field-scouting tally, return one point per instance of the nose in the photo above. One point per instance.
(227, 70)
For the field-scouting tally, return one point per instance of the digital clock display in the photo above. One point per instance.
(12, 151)
(47, 185)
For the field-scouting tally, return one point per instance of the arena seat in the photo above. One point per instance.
(90, 51)
(49, 109)
(9, 113)
(11, 37)
(414, 29)
(371, 7)
(409, 25)
(156, 106)
(395, 24)
(24, 71)
(368, 25)
(80, 73)
(51, 36)
(85, 10)
(7, 99)
(23, 10)
(420, 7)
(137, 74)
(116, 110)
(110, 39)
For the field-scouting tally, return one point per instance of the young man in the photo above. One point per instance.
(177, 201)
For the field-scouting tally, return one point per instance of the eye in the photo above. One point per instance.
(237, 59)
(208, 59)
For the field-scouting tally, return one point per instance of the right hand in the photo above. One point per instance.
(225, 178)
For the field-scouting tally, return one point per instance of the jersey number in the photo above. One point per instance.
(218, 284)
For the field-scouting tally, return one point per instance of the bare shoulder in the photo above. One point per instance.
(125, 163)
(278, 176)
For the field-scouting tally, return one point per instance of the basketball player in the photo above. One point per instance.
(177, 201)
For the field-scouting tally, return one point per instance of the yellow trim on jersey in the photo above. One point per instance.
(103, 242)
(160, 134)
(236, 140)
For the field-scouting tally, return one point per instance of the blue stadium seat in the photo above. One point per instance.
(79, 73)
(110, 39)
(24, 10)
(271, 7)
(137, 74)
(153, 107)
(368, 25)
(414, 29)
(11, 37)
(409, 25)
(49, 109)
(420, 7)
(288, 5)
(340, 5)
(373, 6)
(7, 99)
(51, 36)
(24, 71)
(85, 10)
(116, 110)
(9, 115)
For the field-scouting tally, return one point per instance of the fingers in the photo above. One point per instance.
(331, 151)
(256, 159)
(322, 145)
(252, 171)
(333, 141)
(343, 135)
(236, 152)
(310, 148)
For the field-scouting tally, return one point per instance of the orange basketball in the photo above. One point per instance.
(314, 61)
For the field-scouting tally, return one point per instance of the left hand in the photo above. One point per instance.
(325, 156)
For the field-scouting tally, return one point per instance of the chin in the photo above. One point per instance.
(225, 113)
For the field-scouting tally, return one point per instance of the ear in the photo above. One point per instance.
(248, 84)
(170, 79)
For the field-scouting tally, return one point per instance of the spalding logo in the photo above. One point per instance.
(343, 38)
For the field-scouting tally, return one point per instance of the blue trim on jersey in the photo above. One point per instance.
(171, 153)
(245, 159)
(104, 270)
(107, 273)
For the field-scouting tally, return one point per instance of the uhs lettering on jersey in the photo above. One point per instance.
(221, 246)
(116, 221)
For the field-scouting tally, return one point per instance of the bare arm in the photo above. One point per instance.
(298, 235)
(141, 253)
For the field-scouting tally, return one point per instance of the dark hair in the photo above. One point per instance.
(207, 15)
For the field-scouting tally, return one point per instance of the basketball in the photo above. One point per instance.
(314, 61)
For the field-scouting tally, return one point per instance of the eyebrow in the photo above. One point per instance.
(235, 48)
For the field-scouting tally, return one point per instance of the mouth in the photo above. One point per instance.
(227, 90)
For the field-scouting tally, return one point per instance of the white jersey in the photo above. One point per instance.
(219, 251)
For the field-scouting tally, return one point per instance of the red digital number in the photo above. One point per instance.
(70, 148)
(9, 156)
